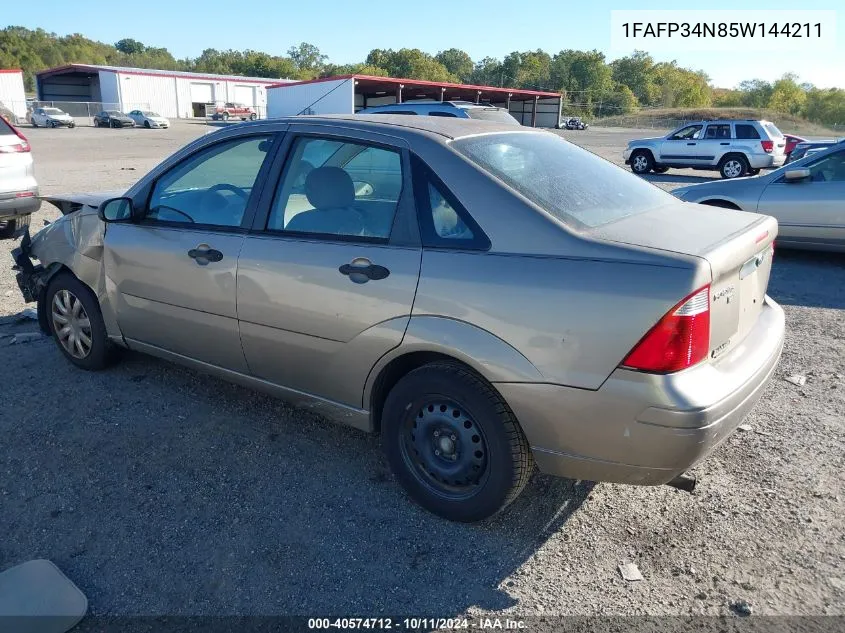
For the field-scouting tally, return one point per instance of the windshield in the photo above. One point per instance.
(572, 184)
(52, 111)
(114, 113)
(491, 114)
(151, 114)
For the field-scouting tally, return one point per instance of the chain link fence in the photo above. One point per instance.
(82, 111)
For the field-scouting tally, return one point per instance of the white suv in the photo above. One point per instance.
(735, 148)
(18, 189)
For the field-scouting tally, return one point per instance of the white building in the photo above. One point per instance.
(171, 93)
(347, 94)
(12, 95)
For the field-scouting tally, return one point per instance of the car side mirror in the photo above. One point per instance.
(117, 210)
(796, 175)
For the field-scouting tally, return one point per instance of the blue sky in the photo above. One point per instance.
(347, 30)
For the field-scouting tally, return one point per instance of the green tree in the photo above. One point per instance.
(787, 95)
(130, 46)
(457, 62)
(637, 72)
(756, 93)
(307, 59)
(487, 72)
(409, 62)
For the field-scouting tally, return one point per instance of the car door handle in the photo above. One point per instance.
(361, 270)
(690, 143)
(724, 143)
(203, 254)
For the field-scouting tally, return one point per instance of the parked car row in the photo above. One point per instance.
(55, 117)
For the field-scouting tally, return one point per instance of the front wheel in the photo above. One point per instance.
(33, 123)
(147, 125)
(225, 116)
(76, 323)
(453, 443)
(641, 162)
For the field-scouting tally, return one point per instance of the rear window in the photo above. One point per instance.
(491, 114)
(773, 131)
(572, 184)
(5, 128)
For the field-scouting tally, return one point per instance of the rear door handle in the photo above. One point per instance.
(724, 143)
(690, 143)
(361, 270)
(203, 254)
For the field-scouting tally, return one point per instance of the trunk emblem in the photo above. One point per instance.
(726, 293)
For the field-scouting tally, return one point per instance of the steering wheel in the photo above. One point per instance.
(210, 199)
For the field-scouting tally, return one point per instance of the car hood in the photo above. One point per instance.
(729, 188)
(645, 140)
(72, 202)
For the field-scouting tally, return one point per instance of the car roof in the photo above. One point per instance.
(463, 105)
(446, 127)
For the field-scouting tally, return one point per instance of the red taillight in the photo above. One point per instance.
(679, 340)
(768, 146)
(23, 146)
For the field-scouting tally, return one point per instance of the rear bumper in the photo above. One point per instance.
(11, 205)
(645, 429)
(766, 161)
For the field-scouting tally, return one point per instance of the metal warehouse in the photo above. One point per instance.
(12, 95)
(170, 93)
(346, 94)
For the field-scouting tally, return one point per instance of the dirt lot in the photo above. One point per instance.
(162, 491)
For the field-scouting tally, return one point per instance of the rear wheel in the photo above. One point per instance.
(253, 116)
(33, 123)
(641, 162)
(225, 116)
(453, 443)
(733, 166)
(76, 322)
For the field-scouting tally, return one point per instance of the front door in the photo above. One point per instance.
(172, 276)
(327, 280)
(681, 146)
(810, 210)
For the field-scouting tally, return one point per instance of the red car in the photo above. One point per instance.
(791, 142)
(234, 110)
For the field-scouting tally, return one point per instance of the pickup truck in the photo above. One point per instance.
(234, 110)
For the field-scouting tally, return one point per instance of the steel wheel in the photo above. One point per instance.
(445, 449)
(71, 324)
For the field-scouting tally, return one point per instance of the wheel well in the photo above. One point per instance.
(733, 155)
(643, 150)
(394, 371)
(724, 204)
(41, 305)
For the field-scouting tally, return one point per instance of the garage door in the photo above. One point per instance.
(202, 93)
(245, 95)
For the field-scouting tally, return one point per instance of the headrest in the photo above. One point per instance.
(328, 187)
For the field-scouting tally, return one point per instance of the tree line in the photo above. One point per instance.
(586, 79)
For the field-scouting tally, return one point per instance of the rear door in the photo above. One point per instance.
(812, 210)
(682, 146)
(326, 280)
(716, 141)
(172, 275)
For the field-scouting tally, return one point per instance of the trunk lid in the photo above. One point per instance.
(736, 245)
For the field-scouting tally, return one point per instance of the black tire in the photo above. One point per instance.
(253, 116)
(733, 166)
(112, 124)
(446, 398)
(102, 352)
(642, 162)
(147, 125)
(72, 124)
(32, 123)
(660, 169)
(225, 116)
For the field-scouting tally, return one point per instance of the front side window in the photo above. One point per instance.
(211, 187)
(831, 168)
(687, 133)
(338, 188)
(573, 185)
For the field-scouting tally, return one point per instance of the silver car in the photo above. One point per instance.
(733, 147)
(807, 197)
(18, 188)
(484, 296)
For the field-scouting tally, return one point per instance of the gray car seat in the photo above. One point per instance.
(331, 192)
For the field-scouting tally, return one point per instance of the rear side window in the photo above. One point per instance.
(5, 128)
(491, 114)
(441, 113)
(572, 184)
(721, 130)
(745, 131)
(394, 112)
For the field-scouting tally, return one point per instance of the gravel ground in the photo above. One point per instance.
(162, 491)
